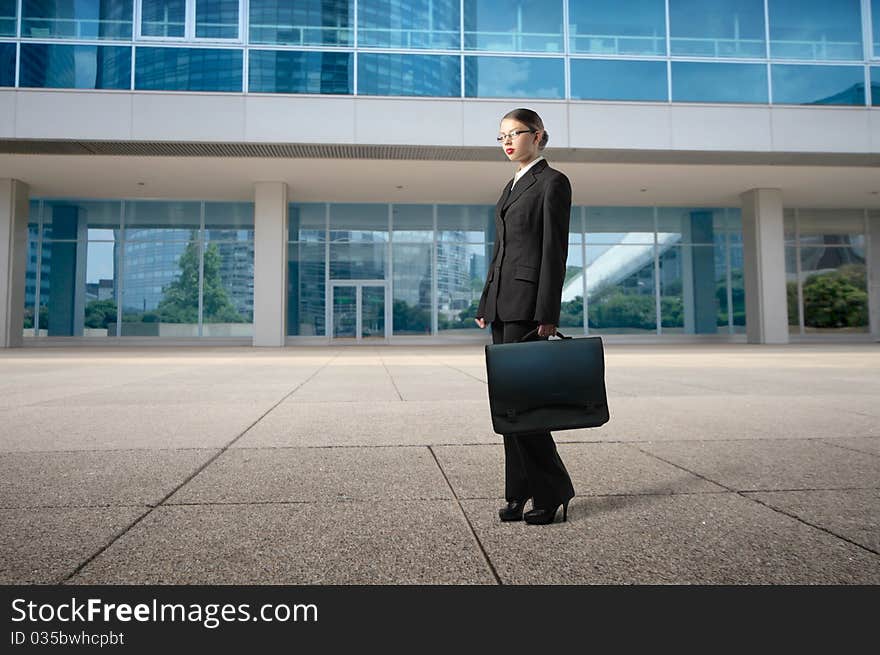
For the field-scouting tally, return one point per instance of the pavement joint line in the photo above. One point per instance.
(745, 495)
(186, 481)
(625, 442)
(830, 442)
(467, 520)
(390, 377)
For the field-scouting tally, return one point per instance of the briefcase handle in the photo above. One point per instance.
(535, 332)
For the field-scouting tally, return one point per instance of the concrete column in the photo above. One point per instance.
(14, 200)
(874, 273)
(764, 266)
(270, 263)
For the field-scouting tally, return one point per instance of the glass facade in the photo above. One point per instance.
(100, 268)
(826, 271)
(581, 50)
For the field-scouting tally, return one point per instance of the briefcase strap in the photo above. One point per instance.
(528, 335)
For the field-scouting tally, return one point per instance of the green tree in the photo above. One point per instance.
(836, 299)
(180, 301)
(99, 313)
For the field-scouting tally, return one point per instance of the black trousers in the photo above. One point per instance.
(532, 466)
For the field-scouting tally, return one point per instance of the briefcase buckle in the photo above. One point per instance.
(511, 415)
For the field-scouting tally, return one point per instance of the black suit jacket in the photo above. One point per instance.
(524, 281)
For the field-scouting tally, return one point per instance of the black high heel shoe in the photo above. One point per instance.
(513, 511)
(545, 516)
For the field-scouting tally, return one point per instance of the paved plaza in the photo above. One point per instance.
(722, 463)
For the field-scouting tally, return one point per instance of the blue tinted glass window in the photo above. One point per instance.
(611, 27)
(514, 77)
(875, 19)
(163, 18)
(300, 72)
(513, 25)
(717, 28)
(815, 29)
(818, 85)
(409, 75)
(7, 64)
(618, 79)
(697, 82)
(8, 13)
(188, 69)
(76, 19)
(307, 22)
(217, 19)
(875, 86)
(75, 66)
(414, 24)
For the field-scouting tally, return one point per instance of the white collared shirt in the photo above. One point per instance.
(522, 172)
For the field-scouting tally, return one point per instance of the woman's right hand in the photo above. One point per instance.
(481, 322)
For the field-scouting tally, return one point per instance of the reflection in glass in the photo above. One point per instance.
(513, 25)
(344, 311)
(358, 222)
(188, 69)
(228, 289)
(711, 82)
(637, 27)
(75, 66)
(100, 292)
(818, 85)
(288, 71)
(7, 64)
(831, 226)
(620, 225)
(608, 79)
(465, 223)
(409, 75)
(30, 278)
(835, 289)
(411, 287)
(372, 312)
(161, 285)
(152, 220)
(815, 29)
(412, 223)
(571, 311)
(514, 77)
(791, 289)
(216, 19)
(693, 289)
(414, 24)
(229, 221)
(307, 221)
(737, 290)
(875, 83)
(717, 28)
(76, 19)
(461, 275)
(80, 219)
(689, 225)
(620, 289)
(306, 290)
(875, 19)
(307, 22)
(8, 14)
(357, 261)
(163, 18)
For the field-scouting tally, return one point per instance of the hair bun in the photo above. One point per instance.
(544, 139)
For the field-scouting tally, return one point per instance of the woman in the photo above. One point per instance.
(523, 291)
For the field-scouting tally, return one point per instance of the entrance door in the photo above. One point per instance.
(358, 311)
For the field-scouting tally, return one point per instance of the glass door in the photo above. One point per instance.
(358, 311)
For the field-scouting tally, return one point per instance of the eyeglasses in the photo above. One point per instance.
(512, 135)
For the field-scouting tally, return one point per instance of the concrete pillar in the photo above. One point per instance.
(764, 266)
(270, 263)
(14, 200)
(874, 273)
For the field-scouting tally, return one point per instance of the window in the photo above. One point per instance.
(189, 20)
(815, 29)
(717, 28)
(610, 27)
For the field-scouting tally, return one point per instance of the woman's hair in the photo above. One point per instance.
(532, 120)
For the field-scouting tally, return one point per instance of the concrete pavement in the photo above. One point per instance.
(722, 463)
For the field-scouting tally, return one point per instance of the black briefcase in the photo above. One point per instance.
(548, 384)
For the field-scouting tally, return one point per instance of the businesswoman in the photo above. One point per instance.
(523, 291)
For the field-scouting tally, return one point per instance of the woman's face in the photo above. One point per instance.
(523, 147)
